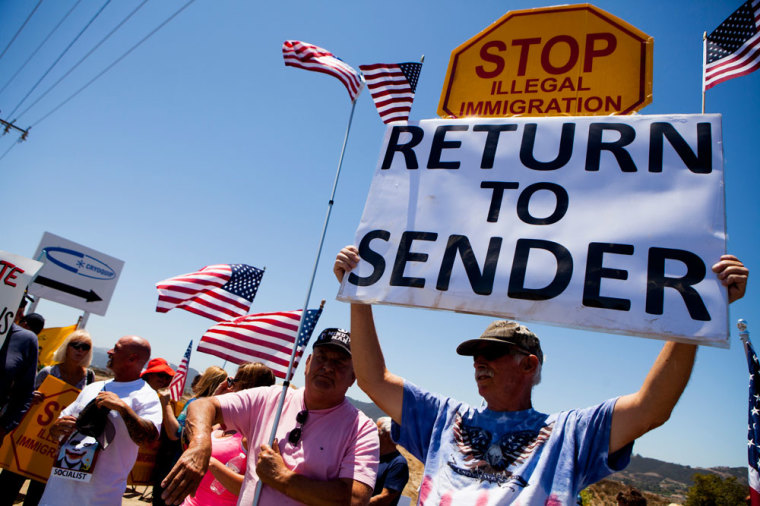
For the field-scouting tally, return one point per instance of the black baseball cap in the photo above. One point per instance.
(338, 338)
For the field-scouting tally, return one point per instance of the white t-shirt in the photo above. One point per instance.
(109, 478)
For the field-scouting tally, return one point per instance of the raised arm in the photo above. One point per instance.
(187, 473)
(638, 413)
(384, 388)
(170, 423)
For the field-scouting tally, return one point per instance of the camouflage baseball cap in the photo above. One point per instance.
(505, 332)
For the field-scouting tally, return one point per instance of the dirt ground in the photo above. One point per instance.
(134, 496)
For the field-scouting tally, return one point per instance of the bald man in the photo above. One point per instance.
(117, 415)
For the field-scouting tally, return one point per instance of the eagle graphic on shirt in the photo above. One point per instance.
(492, 455)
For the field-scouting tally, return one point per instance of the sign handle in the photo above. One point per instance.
(82, 322)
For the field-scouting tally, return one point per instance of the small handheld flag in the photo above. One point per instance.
(265, 337)
(177, 386)
(307, 56)
(392, 86)
(733, 48)
(219, 292)
(753, 436)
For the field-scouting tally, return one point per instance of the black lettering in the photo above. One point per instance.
(497, 196)
(492, 141)
(617, 148)
(481, 282)
(657, 281)
(529, 141)
(701, 163)
(6, 318)
(517, 289)
(374, 258)
(595, 271)
(523, 204)
(405, 255)
(440, 143)
(406, 149)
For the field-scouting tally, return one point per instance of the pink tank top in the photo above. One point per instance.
(223, 449)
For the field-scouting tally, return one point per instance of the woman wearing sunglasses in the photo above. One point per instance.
(71, 361)
(71, 364)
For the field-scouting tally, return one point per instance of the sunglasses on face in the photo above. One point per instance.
(295, 435)
(80, 346)
(230, 382)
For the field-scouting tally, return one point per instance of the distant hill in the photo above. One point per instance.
(368, 408)
(671, 481)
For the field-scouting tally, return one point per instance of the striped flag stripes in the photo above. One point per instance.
(265, 337)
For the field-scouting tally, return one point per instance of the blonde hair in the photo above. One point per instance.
(254, 374)
(78, 335)
(210, 379)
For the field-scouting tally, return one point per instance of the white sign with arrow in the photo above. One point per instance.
(75, 275)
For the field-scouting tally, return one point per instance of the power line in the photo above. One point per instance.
(34, 53)
(59, 57)
(9, 149)
(20, 29)
(84, 58)
(164, 23)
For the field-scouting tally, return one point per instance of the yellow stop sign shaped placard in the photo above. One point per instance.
(570, 60)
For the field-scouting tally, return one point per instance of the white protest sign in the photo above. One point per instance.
(16, 272)
(75, 275)
(608, 223)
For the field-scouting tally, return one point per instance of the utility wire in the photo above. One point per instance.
(83, 58)
(9, 149)
(167, 20)
(34, 53)
(20, 29)
(59, 58)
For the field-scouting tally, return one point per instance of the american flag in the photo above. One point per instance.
(177, 386)
(219, 292)
(733, 49)
(265, 337)
(753, 436)
(392, 86)
(310, 57)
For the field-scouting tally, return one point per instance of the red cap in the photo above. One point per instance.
(157, 365)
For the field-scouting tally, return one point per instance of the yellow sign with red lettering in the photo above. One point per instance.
(571, 60)
(30, 450)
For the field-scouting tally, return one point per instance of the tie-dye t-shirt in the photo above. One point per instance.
(483, 457)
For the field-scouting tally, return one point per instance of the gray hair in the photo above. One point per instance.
(384, 424)
(518, 356)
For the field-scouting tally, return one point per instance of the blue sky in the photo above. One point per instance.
(201, 147)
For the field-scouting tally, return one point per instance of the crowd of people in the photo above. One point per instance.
(218, 449)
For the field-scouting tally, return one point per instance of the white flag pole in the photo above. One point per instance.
(743, 332)
(704, 67)
(286, 383)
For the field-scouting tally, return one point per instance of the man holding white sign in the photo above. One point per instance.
(18, 346)
(508, 451)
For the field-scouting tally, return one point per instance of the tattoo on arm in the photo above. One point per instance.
(140, 430)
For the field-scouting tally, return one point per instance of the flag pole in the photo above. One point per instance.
(286, 383)
(704, 69)
(743, 332)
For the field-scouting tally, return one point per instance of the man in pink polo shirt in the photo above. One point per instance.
(325, 451)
